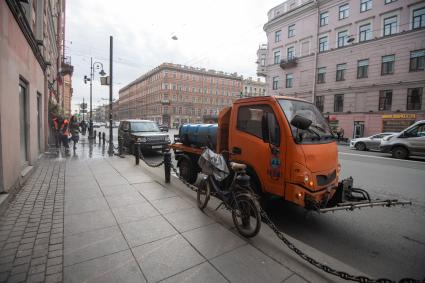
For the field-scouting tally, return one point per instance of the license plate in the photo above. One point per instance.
(156, 146)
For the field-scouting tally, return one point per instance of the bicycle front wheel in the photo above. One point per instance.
(246, 215)
(203, 194)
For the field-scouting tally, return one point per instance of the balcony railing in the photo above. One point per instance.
(288, 63)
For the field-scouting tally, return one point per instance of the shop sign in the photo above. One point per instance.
(399, 116)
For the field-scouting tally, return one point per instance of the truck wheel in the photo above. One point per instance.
(187, 170)
(360, 146)
(400, 152)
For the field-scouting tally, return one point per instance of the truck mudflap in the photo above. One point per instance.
(347, 197)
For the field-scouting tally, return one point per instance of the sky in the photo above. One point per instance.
(223, 35)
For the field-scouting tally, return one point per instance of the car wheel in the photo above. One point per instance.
(360, 146)
(400, 152)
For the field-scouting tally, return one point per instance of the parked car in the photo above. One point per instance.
(163, 128)
(410, 141)
(367, 143)
(96, 125)
(146, 132)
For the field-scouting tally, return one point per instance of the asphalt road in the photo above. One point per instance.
(382, 242)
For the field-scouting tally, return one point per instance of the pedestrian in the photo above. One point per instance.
(341, 133)
(74, 128)
(55, 130)
(64, 134)
(83, 126)
(338, 134)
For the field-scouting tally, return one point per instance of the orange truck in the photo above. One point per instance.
(288, 147)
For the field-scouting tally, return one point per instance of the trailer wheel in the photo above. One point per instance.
(187, 170)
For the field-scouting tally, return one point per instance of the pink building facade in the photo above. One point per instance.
(361, 61)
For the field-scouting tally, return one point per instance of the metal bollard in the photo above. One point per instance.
(120, 139)
(100, 136)
(136, 150)
(94, 136)
(103, 137)
(167, 166)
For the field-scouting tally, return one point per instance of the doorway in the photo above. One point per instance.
(39, 124)
(358, 129)
(23, 131)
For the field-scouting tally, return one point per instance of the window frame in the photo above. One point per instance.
(340, 77)
(409, 97)
(384, 30)
(344, 38)
(383, 64)
(321, 79)
(292, 48)
(422, 18)
(277, 36)
(385, 101)
(319, 102)
(345, 13)
(324, 44)
(323, 21)
(365, 4)
(419, 61)
(275, 83)
(291, 30)
(276, 61)
(289, 80)
(367, 33)
(340, 95)
(362, 70)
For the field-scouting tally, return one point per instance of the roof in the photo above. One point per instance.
(269, 97)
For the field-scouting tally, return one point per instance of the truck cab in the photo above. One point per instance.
(284, 158)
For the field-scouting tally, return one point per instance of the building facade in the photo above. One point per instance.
(251, 87)
(175, 94)
(361, 61)
(31, 54)
(67, 90)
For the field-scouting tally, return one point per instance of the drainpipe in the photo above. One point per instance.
(316, 54)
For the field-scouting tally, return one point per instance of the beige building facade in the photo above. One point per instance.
(175, 94)
(361, 61)
(252, 87)
(31, 44)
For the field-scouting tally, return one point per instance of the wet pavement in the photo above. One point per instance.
(88, 217)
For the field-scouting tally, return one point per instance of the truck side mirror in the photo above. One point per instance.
(301, 122)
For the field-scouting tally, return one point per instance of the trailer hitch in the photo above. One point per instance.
(347, 197)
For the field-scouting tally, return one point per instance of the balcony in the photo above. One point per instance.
(288, 63)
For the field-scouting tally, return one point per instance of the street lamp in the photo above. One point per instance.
(86, 79)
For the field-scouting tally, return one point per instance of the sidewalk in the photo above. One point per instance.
(121, 223)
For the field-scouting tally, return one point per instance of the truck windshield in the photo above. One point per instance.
(319, 129)
(144, 127)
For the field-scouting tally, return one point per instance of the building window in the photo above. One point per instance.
(289, 80)
(362, 68)
(277, 36)
(365, 32)
(342, 38)
(320, 102)
(291, 30)
(419, 18)
(387, 66)
(290, 53)
(365, 5)
(324, 19)
(340, 71)
(323, 44)
(277, 57)
(275, 85)
(321, 75)
(389, 1)
(385, 99)
(344, 11)
(390, 25)
(339, 103)
(417, 60)
(263, 60)
(414, 98)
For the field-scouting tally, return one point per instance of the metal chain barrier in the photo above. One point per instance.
(147, 163)
(291, 246)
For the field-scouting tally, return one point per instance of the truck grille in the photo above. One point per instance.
(323, 180)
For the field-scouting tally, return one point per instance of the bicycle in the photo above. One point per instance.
(236, 195)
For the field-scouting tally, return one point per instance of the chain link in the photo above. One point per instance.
(291, 246)
(150, 164)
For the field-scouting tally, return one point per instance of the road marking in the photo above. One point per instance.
(381, 157)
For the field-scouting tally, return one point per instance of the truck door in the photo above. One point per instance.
(247, 146)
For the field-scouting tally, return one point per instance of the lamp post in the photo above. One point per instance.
(102, 73)
(111, 145)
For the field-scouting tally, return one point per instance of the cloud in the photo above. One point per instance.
(213, 34)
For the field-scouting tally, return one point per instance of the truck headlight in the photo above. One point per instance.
(141, 139)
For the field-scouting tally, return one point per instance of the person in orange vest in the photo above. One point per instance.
(55, 128)
(64, 134)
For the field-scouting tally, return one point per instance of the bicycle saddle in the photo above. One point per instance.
(237, 167)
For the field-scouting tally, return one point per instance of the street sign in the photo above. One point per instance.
(83, 106)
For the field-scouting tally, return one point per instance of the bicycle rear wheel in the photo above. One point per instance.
(246, 215)
(203, 194)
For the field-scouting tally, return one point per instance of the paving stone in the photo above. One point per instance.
(54, 269)
(166, 257)
(85, 205)
(188, 219)
(154, 191)
(22, 260)
(7, 259)
(56, 253)
(147, 230)
(134, 212)
(35, 278)
(20, 268)
(295, 279)
(77, 223)
(20, 277)
(54, 261)
(117, 189)
(123, 200)
(204, 273)
(39, 260)
(53, 278)
(118, 267)
(88, 245)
